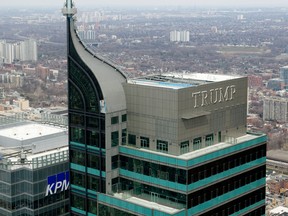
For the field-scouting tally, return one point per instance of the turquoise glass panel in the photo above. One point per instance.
(77, 167)
(78, 211)
(174, 161)
(227, 196)
(95, 172)
(76, 187)
(195, 185)
(249, 208)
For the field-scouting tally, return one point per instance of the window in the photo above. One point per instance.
(114, 138)
(93, 138)
(184, 147)
(209, 140)
(131, 139)
(78, 179)
(197, 143)
(77, 157)
(77, 135)
(219, 136)
(78, 202)
(114, 120)
(76, 120)
(124, 118)
(144, 142)
(162, 146)
(93, 123)
(124, 134)
(92, 206)
(114, 161)
(94, 162)
(93, 183)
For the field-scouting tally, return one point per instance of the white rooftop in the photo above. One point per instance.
(178, 81)
(279, 210)
(148, 204)
(205, 76)
(29, 131)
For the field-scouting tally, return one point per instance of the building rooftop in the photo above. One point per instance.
(179, 81)
(277, 155)
(31, 144)
(29, 131)
(148, 204)
(279, 211)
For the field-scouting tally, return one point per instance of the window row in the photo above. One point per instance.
(90, 182)
(29, 202)
(79, 202)
(225, 186)
(115, 119)
(93, 123)
(194, 174)
(239, 204)
(162, 145)
(152, 193)
(225, 163)
(90, 160)
(107, 210)
(153, 169)
(92, 138)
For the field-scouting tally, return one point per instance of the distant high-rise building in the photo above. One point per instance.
(180, 36)
(6, 52)
(23, 51)
(275, 108)
(159, 145)
(28, 50)
(284, 75)
(275, 84)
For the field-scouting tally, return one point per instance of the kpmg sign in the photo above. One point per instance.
(58, 182)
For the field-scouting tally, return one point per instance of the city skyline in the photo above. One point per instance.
(197, 3)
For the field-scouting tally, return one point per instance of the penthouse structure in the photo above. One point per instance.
(159, 145)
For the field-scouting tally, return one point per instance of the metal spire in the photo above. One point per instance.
(69, 9)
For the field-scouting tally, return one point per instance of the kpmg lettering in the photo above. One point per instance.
(58, 182)
(213, 96)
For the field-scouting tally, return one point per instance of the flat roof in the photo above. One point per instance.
(179, 81)
(149, 204)
(280, 210)
(278, 155)
(29, 131)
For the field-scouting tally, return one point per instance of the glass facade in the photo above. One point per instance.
(23, 192)
(146, 168)
(86, 134)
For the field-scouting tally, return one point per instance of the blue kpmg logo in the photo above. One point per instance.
(58, 182)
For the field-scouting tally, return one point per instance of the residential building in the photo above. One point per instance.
(275, 109)
(159, 145)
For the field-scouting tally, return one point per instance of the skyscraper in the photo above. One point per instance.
(159, 145)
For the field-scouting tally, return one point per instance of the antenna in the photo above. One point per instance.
(69, 9)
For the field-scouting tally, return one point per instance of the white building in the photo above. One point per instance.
(24, 51)
(179, 36)
(28, 50)
(275, 108)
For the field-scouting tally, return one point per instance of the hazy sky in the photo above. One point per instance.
(86, 3)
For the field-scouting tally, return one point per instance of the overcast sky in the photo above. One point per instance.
(86, 3)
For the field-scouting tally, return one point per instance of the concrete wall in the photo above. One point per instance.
(177, 115)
